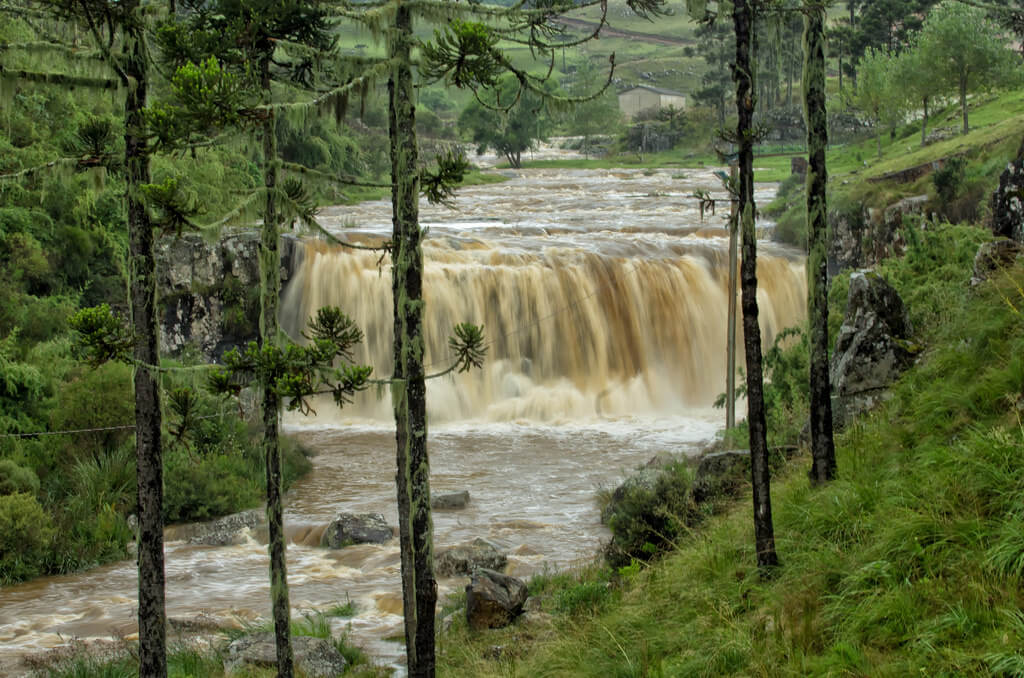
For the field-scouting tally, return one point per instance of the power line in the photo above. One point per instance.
(86, 430)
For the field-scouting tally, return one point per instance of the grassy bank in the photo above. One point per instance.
(911, 563)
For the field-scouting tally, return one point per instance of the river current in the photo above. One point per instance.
(603, 297)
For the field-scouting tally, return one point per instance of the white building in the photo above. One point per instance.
(643, 98)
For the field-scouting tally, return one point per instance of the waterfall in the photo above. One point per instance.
(576, 328)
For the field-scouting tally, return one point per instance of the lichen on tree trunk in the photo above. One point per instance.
(142, 267)
(419, 587)
(270, 284)
(823, 454)
(764, 535)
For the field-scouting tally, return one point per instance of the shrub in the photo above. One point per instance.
(16, 479)
(100, 398)
(648, 514)
(25, 534)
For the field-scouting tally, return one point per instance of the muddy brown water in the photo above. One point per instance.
(603, 297)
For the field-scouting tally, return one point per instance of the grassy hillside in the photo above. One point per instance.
(911, 563)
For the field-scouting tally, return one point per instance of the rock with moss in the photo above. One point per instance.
(466, 558)
(994, 256)
(1008, 201)
(721, 474)
(356, 528)
(493, 600)
(873, 346)
(314, 657)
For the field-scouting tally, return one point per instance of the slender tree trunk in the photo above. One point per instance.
(963, 100)
(924, 121)
(419, 587)
(270, 286)
(149, 463)
(764, 534)
(823, 452)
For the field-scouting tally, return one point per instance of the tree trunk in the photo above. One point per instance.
(924, 121)
(823, 452)
(764, 536)
(149, 463)
(270, 285)
(419, 588)
(963, 100)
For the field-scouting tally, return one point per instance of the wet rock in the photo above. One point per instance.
(356, 528)
(644, 480)
(465, 558)
(226, 531)
(450, 501)
(873, 346)
(993, 256)
(314, 657)
(721, 473)
(493, 600)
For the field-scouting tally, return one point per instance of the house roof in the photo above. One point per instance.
(656, 90)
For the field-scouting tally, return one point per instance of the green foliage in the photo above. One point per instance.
(586, 597)
(94, 399)
(16, 479)
(949, 180)
(648, 518)
(464, 54)
(102, 336)
(213, 485)
(25, 534)
(468, 346)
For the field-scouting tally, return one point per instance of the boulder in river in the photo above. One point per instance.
(314, 657)
(225, 531)
(450, 501)
(356, 528)
(465, 558)
(493, 600)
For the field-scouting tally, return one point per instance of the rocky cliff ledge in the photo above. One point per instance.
(209, 291)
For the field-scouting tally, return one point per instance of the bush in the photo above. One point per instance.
(25, 534)
(16, 479)
(100, 398)
(648, 514)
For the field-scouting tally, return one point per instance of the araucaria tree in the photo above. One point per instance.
(823, 451)
(119, 30)
(743, 75)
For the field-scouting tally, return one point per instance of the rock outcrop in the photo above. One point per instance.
(466, 558)
(873, 346)
(862, 237)
(209, 292)
(493, 600)
(356, 528)
(314, 657)
(1008, 201)
(993, 256)
(720, 473)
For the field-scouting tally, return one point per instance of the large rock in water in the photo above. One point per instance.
(451, 501)
(465, 558)
(493, 599)
(356, 528)
(873, 347)
(314, 657)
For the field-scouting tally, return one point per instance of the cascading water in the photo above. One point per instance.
(603, 298)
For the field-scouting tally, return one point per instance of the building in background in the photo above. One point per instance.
(644, 98)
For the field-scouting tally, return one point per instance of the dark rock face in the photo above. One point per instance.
(465, 558)
(451, 501)
(873, 347)
(862, 238)
(209, 292)
(721, 473)
(314, 657)
(356, 528)
(1008, 201)
(493, 600)
(993, 256)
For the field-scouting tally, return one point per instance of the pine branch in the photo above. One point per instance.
(340, 180)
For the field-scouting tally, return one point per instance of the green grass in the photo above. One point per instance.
(910, 563)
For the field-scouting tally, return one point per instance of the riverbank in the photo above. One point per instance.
(908, 563)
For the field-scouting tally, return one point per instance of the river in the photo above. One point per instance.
(603, 298)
